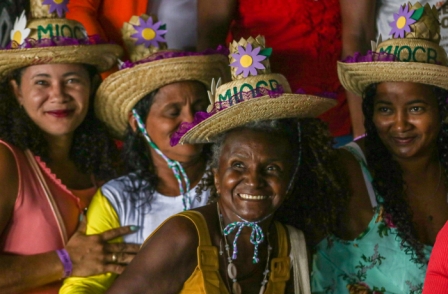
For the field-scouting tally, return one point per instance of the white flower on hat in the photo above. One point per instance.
(19, 33)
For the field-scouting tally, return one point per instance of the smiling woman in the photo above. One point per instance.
(272, 165)
(54, 153)
(398, 171)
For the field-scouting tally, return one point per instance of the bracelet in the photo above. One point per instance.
(66, 261)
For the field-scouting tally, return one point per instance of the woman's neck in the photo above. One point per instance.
(59, 147)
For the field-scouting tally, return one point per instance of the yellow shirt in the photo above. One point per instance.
(101, 216)
(206, 278)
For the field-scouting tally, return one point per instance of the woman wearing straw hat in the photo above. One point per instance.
(398, 172)
(53, 152)
(271, 161)
(144, 103)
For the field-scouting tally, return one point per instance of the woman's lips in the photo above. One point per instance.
(60, 113)
(403, 141)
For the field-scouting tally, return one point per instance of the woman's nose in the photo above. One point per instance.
(57, 92)
(401, 122)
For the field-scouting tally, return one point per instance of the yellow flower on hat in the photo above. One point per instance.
(19, 33)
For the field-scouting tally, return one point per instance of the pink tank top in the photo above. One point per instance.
(41, 222)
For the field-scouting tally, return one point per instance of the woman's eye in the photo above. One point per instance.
(237, 164)
(384, 109)
(416, 109)
(272, 168)
(73, 81)
(41, 82)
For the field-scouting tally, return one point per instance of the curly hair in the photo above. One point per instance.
(139, 165)
(92, 151)
(318, 192)
(388, 175)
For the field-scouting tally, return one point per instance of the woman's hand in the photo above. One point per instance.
(93, 255)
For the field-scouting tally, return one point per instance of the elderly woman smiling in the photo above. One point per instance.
(260, 165)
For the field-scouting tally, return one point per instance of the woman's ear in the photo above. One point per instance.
(132, 122)
(215, 177)
(16, 90)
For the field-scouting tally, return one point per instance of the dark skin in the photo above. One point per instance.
(251, 163)
(407, 119)
(47, 88)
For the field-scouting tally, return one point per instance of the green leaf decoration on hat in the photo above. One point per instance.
(418, 13)
(266, 52)
(163, 27)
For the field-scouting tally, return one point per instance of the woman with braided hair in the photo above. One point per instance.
(398, 171)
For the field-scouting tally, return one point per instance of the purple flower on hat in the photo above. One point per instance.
(248, 60)
(60, 6)
(402, 21)
(148, 33)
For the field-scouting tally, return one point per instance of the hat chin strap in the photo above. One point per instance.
(174, 165)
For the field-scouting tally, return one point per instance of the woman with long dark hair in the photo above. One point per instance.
(398, 171)
(144, 104)
(54, 154)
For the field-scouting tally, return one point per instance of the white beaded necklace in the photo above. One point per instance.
(231, 268)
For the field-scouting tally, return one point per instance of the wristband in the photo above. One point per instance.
(66, 261)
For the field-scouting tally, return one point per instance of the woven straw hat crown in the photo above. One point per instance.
(412, 54)
(151, 67)
(51, 38)
(253, 94)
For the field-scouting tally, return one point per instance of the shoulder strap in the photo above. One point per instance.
(208, 260)
(299, 261)
(48, 195)
(354, 149)
(281, 265)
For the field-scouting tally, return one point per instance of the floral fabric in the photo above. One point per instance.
(375, 262)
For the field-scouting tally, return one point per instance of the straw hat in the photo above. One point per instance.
(412, 54)
(254, 94)
(149, 69)
(51, 38)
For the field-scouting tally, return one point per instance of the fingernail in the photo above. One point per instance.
(134, 228)
(81, 217)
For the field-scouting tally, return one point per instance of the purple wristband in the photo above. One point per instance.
(66, 261)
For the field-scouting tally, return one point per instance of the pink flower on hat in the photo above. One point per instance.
(248, 60)
(148, 33)
(60, 6)
(402, 21)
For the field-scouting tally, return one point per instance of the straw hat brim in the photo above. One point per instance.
(102, 56)
(356, 77)
(119, 92)
(257, 109)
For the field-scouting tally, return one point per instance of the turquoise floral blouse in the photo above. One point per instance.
(374, 262)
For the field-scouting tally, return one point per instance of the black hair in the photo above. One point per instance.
(92, 151)
(388, 175)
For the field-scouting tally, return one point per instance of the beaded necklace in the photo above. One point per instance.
(174, 165)
(231, 268)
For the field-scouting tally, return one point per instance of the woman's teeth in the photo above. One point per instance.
(253, 197)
